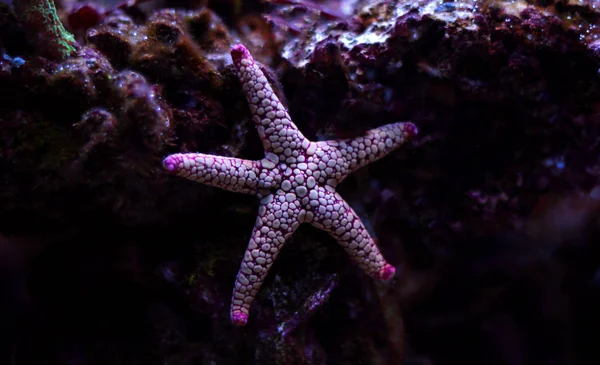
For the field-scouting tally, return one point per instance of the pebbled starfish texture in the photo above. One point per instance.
(295, 182)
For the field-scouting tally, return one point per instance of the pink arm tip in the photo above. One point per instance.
(239, 319)
(387, 272)
(170, 164)
(239, 52)
(411, 130)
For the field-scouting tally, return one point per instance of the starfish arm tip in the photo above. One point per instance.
(372, 146)
(239, 318)
(387, 272)
(410, 130)
(171, 163)
(239, 52)
(268, 112)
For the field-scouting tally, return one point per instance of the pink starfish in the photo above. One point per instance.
(295, 182)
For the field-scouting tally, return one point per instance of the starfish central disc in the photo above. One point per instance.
(295, 182)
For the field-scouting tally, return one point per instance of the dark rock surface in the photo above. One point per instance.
(491, 216)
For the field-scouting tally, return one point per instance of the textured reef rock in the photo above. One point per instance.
(490, 217)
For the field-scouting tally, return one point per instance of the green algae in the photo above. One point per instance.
(40, 16)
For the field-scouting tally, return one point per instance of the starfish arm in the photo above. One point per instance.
(232, 174)
(273, 123)
(278, 217)
(336, 217)
(351, 154)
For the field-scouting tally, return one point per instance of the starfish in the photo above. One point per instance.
(295, 183)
